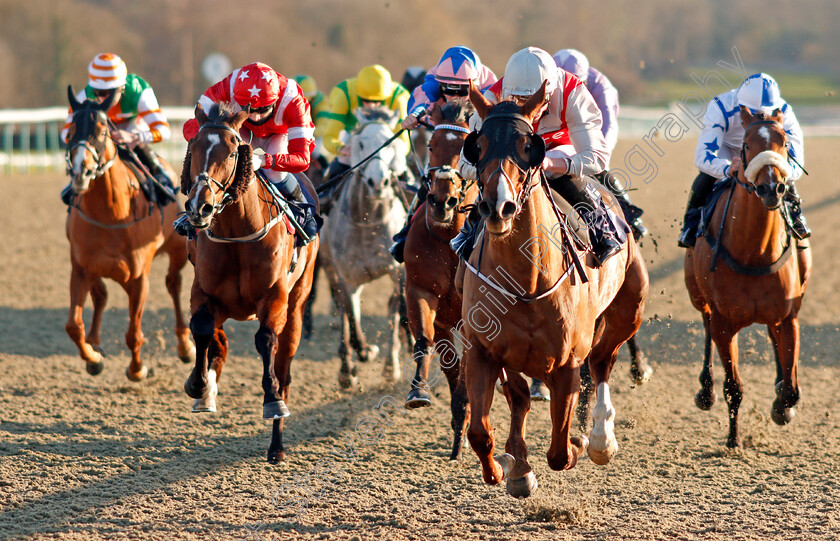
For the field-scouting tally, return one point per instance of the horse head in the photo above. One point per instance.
(506, 152)
(217, 168)
(447, 188)
(764, 156)
(90, 151)
(376, 126)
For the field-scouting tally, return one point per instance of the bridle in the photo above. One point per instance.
(97, 151)
(206, 180)
(750, 185)
(431, 173)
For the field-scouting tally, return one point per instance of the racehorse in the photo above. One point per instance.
(115, 232)
(758, 282)
(364, 217)
(246, 265)
(543, 320)
(434, 305)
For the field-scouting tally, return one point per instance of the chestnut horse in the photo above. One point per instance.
(246, 266)
(434, 305)
(758, 281)
(543, 320)
(115, 232)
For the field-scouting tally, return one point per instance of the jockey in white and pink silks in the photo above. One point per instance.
(606, 97)
(449, 79)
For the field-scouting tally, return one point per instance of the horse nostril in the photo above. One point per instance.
(431, 199)
(451, 202)
(508, 210)
(780, 188)
(205, 210)
(370, 182)
(484, 209)
(761, 190)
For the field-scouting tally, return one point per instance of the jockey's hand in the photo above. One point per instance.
(559, 166)
(735, 165)
(410, 122)
(124, 137)
(257, 160)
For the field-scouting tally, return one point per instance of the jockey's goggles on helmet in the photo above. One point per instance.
(454, 89)
(370, 103)
(105, 92)
(260, 110)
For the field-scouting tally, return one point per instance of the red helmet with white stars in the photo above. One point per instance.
(256, 85)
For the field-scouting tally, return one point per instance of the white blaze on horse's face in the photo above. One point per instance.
(82, 175)
(504, 193)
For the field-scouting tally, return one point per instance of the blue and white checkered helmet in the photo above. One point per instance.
(760, 92)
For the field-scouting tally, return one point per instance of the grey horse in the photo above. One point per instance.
(355, 239)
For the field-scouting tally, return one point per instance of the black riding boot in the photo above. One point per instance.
(305, 214)
(794, 208)
(165, 190)
(632, 213)
(398, 248)
(464, 241)
(700, 190)
(67, 195)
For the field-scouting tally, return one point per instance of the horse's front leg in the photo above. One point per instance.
(521, 481)
(80, 285)
(640, 369)
(357, 340)
(564, 451)
(272, 316)
(99, 295)
(138, 290)
(705, 397)
(391, 368)
(177, 261)
(453, 368)
(481, 380)
(786, 343)
(422, 307)
(201, 384)
(724, 337)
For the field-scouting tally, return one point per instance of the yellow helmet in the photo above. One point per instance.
(373, 83)
(308, 85)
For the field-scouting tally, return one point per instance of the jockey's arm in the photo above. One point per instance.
(335, 122)
(301, 132)
(584, 122)
(710, 142)
(155, 128)
(607, 99)
(796, 149)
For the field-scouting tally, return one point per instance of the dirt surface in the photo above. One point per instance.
(85, 457)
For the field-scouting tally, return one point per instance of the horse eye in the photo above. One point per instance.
(232, 155)
(527, 148)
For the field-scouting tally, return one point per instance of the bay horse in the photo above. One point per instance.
(365, 216)
(246, 266)
(758, 281)
(433, 303)
(115, 232)
(543, 320)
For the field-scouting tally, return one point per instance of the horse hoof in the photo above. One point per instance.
(94, 369)
(641, 371)
(602, 454)
(418, 398)
(581, 442)
(276, 457)
(370, 353)
(346, 381)
(391, 372)
(781, 416)
(705, 400)
(203, 405)
(189, 356)
(522, 487)
(140, 375)
(275, 410)
(506, 461)
(540, 392)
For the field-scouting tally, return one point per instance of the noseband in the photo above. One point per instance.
(204, 179)
(750, 185)
(431, 172)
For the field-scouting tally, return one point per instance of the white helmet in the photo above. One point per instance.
(525, 72)
(106, 71)
(573, 61)
(760, 92)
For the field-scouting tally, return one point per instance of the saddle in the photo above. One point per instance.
(153, 192)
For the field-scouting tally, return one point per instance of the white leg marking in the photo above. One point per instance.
(602, 444)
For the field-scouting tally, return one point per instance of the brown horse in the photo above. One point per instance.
(434, 305)
(245, 267)
(543, 320)
(115, 232)
(759, 282)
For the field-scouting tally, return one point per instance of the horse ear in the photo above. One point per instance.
(746, 116)
(778, 116)
(200, 115)
(472, 150)
(240, 118)
(536, 150)
(186, 180)
(436, 114)
(71, 96)
(534, 102)
(479, 102)
(113, 97)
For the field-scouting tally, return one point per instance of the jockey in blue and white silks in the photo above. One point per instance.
(719, 148)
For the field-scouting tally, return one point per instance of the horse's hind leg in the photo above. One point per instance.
(353, 309)
(454, 371)
(80, 285)
(640, 370)
(99, 295)
(481, 378)
(307, 311)
(391, 368)
(137, 291)
(785, 337)
(521, 481)
(177, 260)
(724, 337)
(564, 451)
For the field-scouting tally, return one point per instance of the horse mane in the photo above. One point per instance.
(456, 111)
(378, 113)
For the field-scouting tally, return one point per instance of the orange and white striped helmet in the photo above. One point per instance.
(106, 71)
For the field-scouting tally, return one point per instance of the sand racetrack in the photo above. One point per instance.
(85, 457)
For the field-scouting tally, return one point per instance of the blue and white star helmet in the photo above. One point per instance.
(760, 92)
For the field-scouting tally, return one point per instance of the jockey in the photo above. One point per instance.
(318, 110)
(606, 96)
(136, 115)
(719, 147)
(449, 79)
(570, 125)
(372, 86)
(279, 123)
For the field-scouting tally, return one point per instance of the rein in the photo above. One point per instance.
(339, 178)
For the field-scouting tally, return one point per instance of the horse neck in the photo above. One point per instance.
(528, 246)
(245, 215)
(752, 233)
(113, 195)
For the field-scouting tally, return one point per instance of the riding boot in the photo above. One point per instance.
(165, 190)
(305, 214)
(464, 241)
(587, 201)
(398, 248)
(183, 226)
(794, 207)
(700, 190)
(632, 213)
